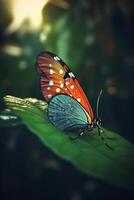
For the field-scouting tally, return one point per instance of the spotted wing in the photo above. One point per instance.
(66, 113)
(57, 78)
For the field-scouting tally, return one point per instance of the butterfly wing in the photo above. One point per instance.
(51, 75)
(66, 113)
(57, 78)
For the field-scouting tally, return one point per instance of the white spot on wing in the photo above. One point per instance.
(51, 71)
(56, 58)
(71, 75)
(51, 82)
(72, 87)
(48, 88)
(62, 85)
(67, 83)
(57, 90)
(50, 65)
(78, 99)
(49, 95)
(61, 71)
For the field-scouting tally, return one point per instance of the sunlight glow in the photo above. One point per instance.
(12, 50)
(26, 11)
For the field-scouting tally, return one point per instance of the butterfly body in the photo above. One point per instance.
(69, 108)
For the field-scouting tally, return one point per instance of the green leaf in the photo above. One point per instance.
(88, 153)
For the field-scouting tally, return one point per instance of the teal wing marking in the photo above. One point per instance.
(66, 113)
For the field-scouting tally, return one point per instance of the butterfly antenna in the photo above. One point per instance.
(97, 105)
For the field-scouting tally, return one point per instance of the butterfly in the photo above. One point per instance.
(68, 106)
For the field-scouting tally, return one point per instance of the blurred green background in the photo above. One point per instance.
(94, 38)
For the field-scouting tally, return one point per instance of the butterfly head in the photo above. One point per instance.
(95, 123)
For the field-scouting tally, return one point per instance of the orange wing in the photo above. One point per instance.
(56, 78)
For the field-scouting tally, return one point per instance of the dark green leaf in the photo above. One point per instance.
(88, 153)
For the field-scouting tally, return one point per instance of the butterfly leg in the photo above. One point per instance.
(78, 136)
(100, 132)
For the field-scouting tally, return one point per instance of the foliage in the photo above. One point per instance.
(88, 153)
